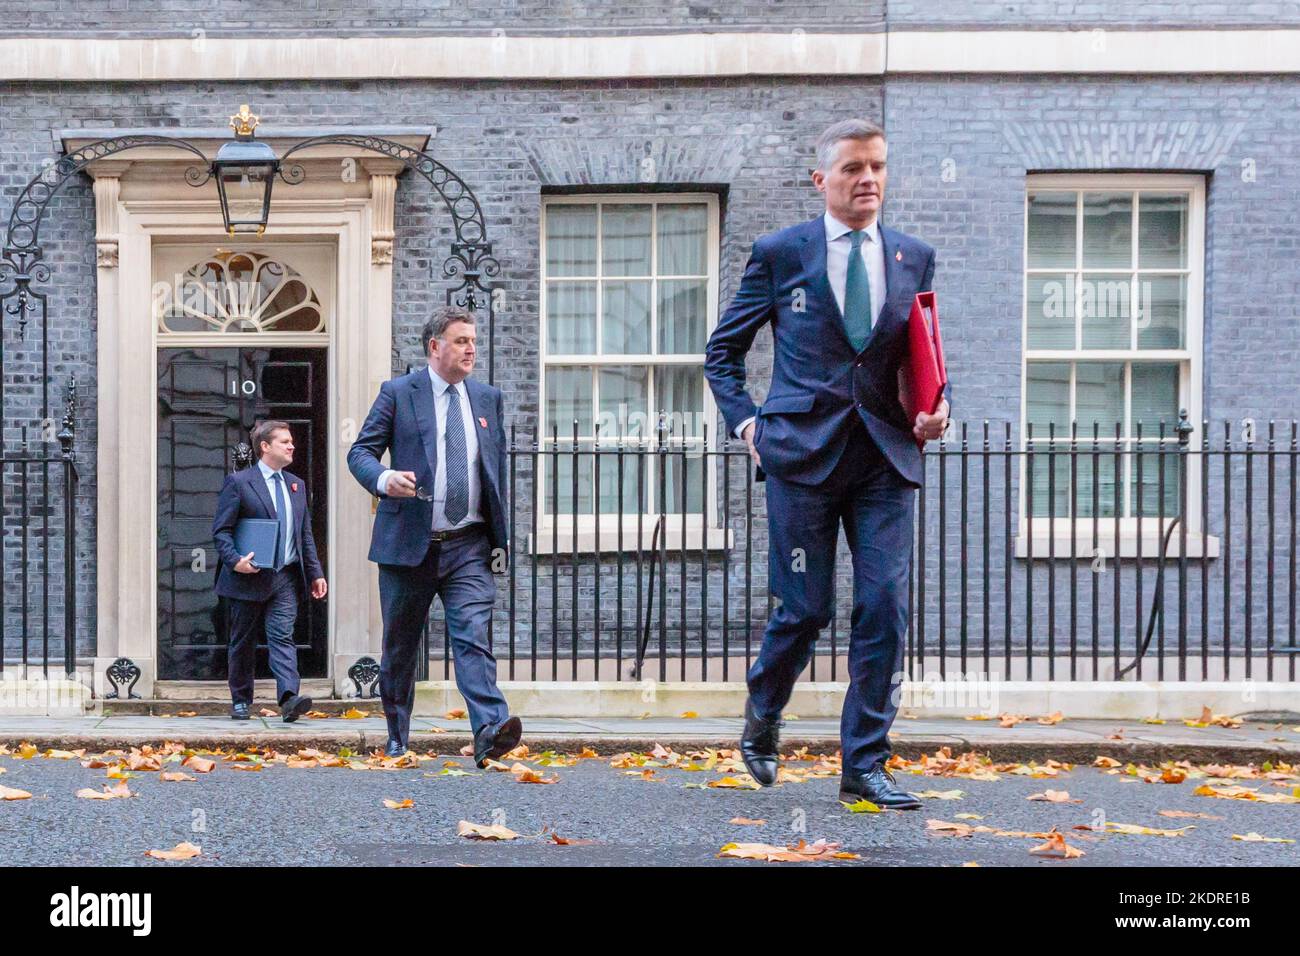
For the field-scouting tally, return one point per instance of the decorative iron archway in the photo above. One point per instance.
(470, 261)
(470, 266)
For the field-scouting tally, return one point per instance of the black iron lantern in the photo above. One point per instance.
(244, 170)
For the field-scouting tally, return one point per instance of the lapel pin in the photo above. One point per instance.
(482, 422)
(898, 256)
(293, 486)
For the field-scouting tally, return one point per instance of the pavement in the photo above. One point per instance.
(614, 813)
(1078, 741)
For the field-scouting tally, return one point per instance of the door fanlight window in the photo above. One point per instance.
(241, 293)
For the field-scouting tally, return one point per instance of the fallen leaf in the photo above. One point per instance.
(181, 851)
(26, 751)
(456, 713)
(9, 793)
(689, 715)
(199, 764)
(1105, 762)
(1253, 837)
(1056, 846)
(1152, 720)
(477, 831)
(733, 783)
(61, 755)
(1053, 796)
(1055, 717)
(940, 794)
(746, 822)
(406, 804)
(176, 777)
(264, 712)
(587, 754)
(1136, 830)
(525, 774)
(862, 806)
(801, 852)
(1187, 814)
(558, 840)
(117, 792)
(968, 816)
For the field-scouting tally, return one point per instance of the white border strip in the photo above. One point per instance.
(448, 57)
(1096, 51)
(793, 53)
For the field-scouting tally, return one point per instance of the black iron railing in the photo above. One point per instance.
(38, 571)
(1166, 554)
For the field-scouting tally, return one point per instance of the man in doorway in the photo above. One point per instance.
(835, 446)
(440, 526)
(266, 597)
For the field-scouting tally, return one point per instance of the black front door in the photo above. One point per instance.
(208, 399)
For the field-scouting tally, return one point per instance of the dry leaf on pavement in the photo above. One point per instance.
(181, 851)
(406, 804)
(1254, 837)
(801, 852)
(116, 792)
(1053, 796)
(1056, 846)
(477, 831)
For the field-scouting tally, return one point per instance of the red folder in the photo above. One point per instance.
(921, 379)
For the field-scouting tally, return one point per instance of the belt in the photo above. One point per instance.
(457, 532)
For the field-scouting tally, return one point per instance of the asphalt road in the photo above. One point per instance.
(335, 816)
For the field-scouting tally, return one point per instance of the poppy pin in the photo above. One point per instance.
(482, 422)
(293, 486)
(899, 255)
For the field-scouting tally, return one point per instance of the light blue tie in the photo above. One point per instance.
(857, 294)
(456, 504)
(282, 515)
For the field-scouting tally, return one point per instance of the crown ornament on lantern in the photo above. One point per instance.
(244, 122)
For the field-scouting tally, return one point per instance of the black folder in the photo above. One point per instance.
(260, 536)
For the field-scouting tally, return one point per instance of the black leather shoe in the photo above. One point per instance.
(395, 748)
(878, 786)
(294, 707)
(493, 742)
(758, 746)
(239, 712)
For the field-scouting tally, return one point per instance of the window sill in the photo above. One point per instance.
(562, 541)
(1197, 545)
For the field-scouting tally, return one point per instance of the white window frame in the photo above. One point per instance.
(701, 530)
(1049, 534)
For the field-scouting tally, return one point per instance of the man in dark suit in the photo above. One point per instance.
(440, 526)
(834, 447)
(267, 596)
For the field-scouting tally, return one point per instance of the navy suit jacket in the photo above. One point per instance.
(244, 495)
(819, 381)
(403, 421)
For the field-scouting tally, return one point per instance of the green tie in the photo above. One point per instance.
(857, 294)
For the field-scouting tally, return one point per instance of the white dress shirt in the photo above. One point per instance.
(838, 246)
(442, 403)
(268, 475)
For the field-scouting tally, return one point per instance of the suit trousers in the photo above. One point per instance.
(277, 614)
(875, 506)
(458, 571)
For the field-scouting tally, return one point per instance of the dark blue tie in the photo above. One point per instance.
(456, 503)
(282, 514)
